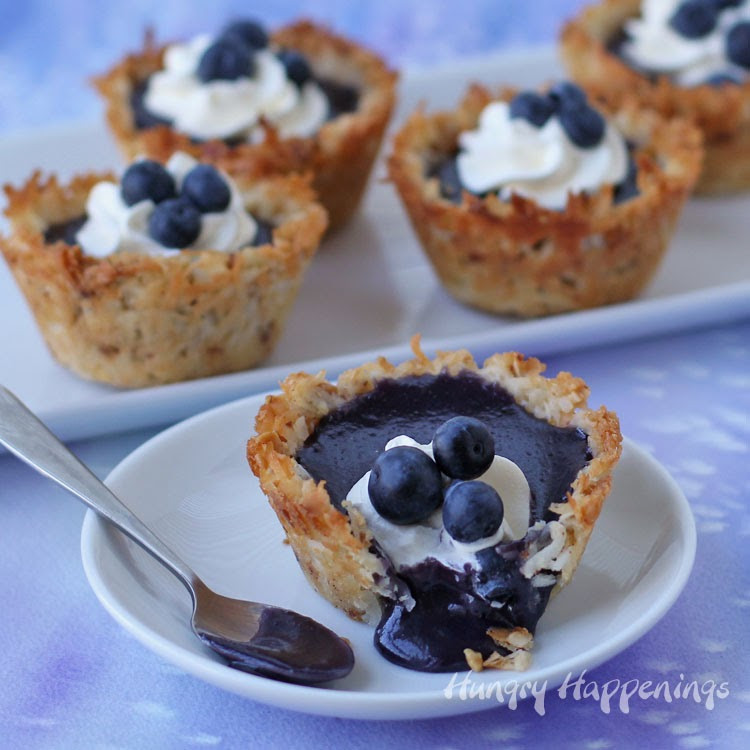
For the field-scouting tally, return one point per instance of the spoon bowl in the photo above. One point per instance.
(269, 641)
(258, 638)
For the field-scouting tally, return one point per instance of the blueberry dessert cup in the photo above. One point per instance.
(173, 273)
(530, 203)
(441, 501)
(686, 58)
(300, 99)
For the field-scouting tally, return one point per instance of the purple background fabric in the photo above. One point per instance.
(71, 678)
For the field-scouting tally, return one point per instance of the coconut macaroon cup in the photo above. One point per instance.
(134, 318)
(696, 81)
(511, 254)
(316, 440)
(339, 147)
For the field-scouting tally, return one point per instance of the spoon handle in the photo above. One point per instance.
(24, 435)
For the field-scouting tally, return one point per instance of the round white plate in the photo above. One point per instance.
(193, 486)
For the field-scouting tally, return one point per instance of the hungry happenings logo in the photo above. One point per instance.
(613, 695)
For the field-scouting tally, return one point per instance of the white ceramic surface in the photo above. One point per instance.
(370, 287)
(192, 484)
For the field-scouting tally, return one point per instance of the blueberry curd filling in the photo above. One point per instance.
(542, 147)
(451, 606)
(64, 231)
(221, 87)
(691, 42)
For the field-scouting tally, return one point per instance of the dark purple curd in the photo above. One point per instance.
(64, 231)
(453, 608)
(616, 46)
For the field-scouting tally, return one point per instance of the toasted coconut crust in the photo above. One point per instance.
(721, 112)
(518, 258)
(134, 320)
(340, 155)
(333, 550)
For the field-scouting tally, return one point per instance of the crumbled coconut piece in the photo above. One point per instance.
(511, 638)
(552, 556)
(516, 640)
(474, 660)
(518, 661)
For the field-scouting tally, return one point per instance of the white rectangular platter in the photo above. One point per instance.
(370, 287)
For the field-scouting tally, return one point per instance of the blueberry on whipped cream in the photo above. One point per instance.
(226, 87)
(539, 146)
(147, 180)
(463, 448)
(248, 32)
(694, 19)
(405, 485)
(583, 124)
(175, 223)
(164, 209)
(691, 41)
(226, 60)
(472, 511)
(738, 44)
(417, 512)
(531, 106)
(206, 189)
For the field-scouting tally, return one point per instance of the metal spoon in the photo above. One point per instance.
(252, 637)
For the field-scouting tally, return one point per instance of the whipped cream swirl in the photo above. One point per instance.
(228, 109)
(653, 45)
(411, 544)
(511, 155)
(112, 226)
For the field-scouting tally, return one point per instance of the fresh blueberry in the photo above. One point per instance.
(296, 66)
(567, 94)
(472, 511)
(142, 116)
(175, 223)
(535, 108)
(628, 188)
(206, 188)
(583, 125)
(405, 485)
(250, 33)
(694, 19)
(144, 180)
(738, 44)
(227, 59)
(463, 447)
